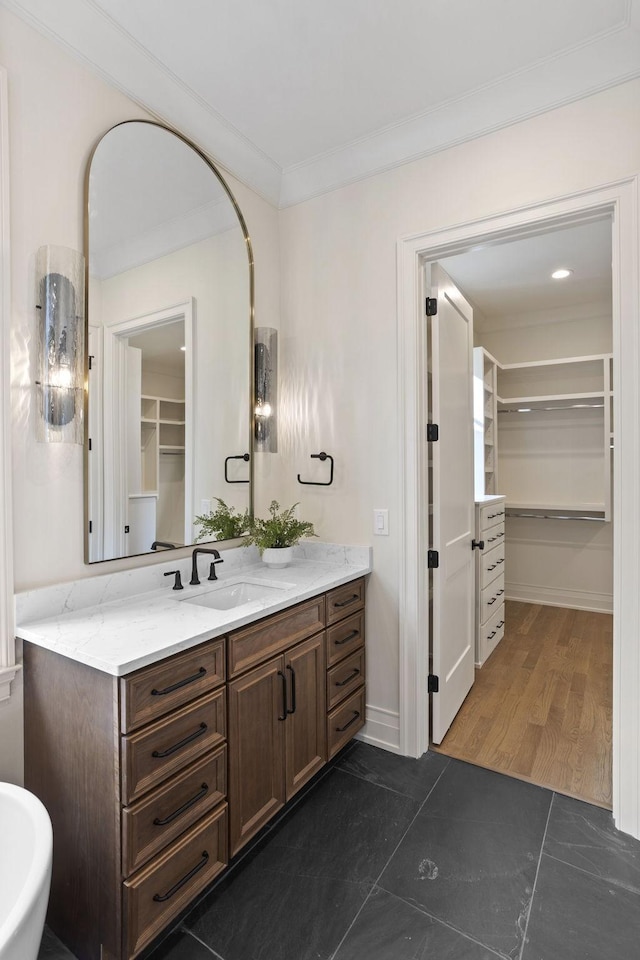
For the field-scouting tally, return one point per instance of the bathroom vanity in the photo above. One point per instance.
(158, 760)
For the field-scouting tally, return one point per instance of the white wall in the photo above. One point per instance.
(339, 374)
(57, 112)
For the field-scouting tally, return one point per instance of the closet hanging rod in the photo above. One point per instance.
(551, 516)
(559, 406)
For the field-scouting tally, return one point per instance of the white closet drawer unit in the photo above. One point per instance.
(493, 536)
(492, 597)
(490, 565)
(491, 514)
(490, 634)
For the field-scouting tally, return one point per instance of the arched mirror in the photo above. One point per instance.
(170, 344)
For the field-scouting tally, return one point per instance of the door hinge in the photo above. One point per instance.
(126, 529)
(433, 432)
(433, 683)
(433, 559)
(90, 526)
(432, 306)
(90, 361)
(90, 447)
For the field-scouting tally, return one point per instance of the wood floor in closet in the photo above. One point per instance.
(541, 707)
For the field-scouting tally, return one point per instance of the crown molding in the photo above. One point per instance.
(193, 227)
(90, 35)
(606, 61)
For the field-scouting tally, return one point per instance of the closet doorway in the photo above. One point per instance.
(541, 705)
(619, 200)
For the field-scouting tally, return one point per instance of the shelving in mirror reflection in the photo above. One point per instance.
(169, 328)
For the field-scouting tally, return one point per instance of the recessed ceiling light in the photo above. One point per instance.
(561, 274)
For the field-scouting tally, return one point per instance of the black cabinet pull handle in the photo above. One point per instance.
(185, 806)
(491, 635)
(500, 561)
(500, 592)
(349, 636)
(160, 898)
(181, 683)
(160, 754)
(345, 603)
(356, 714)
(492, 567)
(284, 696)
(293, 689)
(493, 600)
(352, 676)
(501, 624)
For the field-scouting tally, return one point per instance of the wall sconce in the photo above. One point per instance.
(60, 308)
(266, 390)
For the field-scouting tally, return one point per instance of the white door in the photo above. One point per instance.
(452, 500)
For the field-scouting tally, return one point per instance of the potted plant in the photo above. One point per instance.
(223, 523)
(276, 536)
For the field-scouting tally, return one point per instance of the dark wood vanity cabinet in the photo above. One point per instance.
(154, 779)
(133, 771)
(277, 735)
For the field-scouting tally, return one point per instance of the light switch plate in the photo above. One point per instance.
(381, 523)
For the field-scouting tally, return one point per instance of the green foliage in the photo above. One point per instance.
(223, 523)
(281, 529)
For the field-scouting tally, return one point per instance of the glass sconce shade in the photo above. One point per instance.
(60, 309)
(266, 390)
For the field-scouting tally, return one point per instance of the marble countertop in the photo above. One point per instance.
(118, 623)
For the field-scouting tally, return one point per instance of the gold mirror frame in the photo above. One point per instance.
(252, 398)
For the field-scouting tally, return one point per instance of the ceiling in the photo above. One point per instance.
(296, 98)
(510, 283)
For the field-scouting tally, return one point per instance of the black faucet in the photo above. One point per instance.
(194, 565)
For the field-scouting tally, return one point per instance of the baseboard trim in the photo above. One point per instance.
(559, 597)
(382, 729)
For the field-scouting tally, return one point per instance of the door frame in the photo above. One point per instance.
(115, 498)
(619, 200)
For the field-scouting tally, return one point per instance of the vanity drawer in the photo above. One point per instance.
(491, 598)
(345, 600)
(153, 691)
(490, 515)
(170, 809)
(344, 678)
(155, 752)
(162, 889)
(261, 641)
(344, 721)
(345, 638)
(492, 564)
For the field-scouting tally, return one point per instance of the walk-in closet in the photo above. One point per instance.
(544, 390)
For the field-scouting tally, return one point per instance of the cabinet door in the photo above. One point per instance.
(257, 714)
(305, 734)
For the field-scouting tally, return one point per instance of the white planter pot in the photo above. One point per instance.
(277, 557)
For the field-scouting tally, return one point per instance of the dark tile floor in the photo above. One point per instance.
(388, 858)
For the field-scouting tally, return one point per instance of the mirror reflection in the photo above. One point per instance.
(170, 344)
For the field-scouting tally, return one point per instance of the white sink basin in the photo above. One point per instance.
(226, 596)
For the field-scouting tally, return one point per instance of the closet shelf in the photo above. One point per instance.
(561, 400)
(564, 507)
(556, 362)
